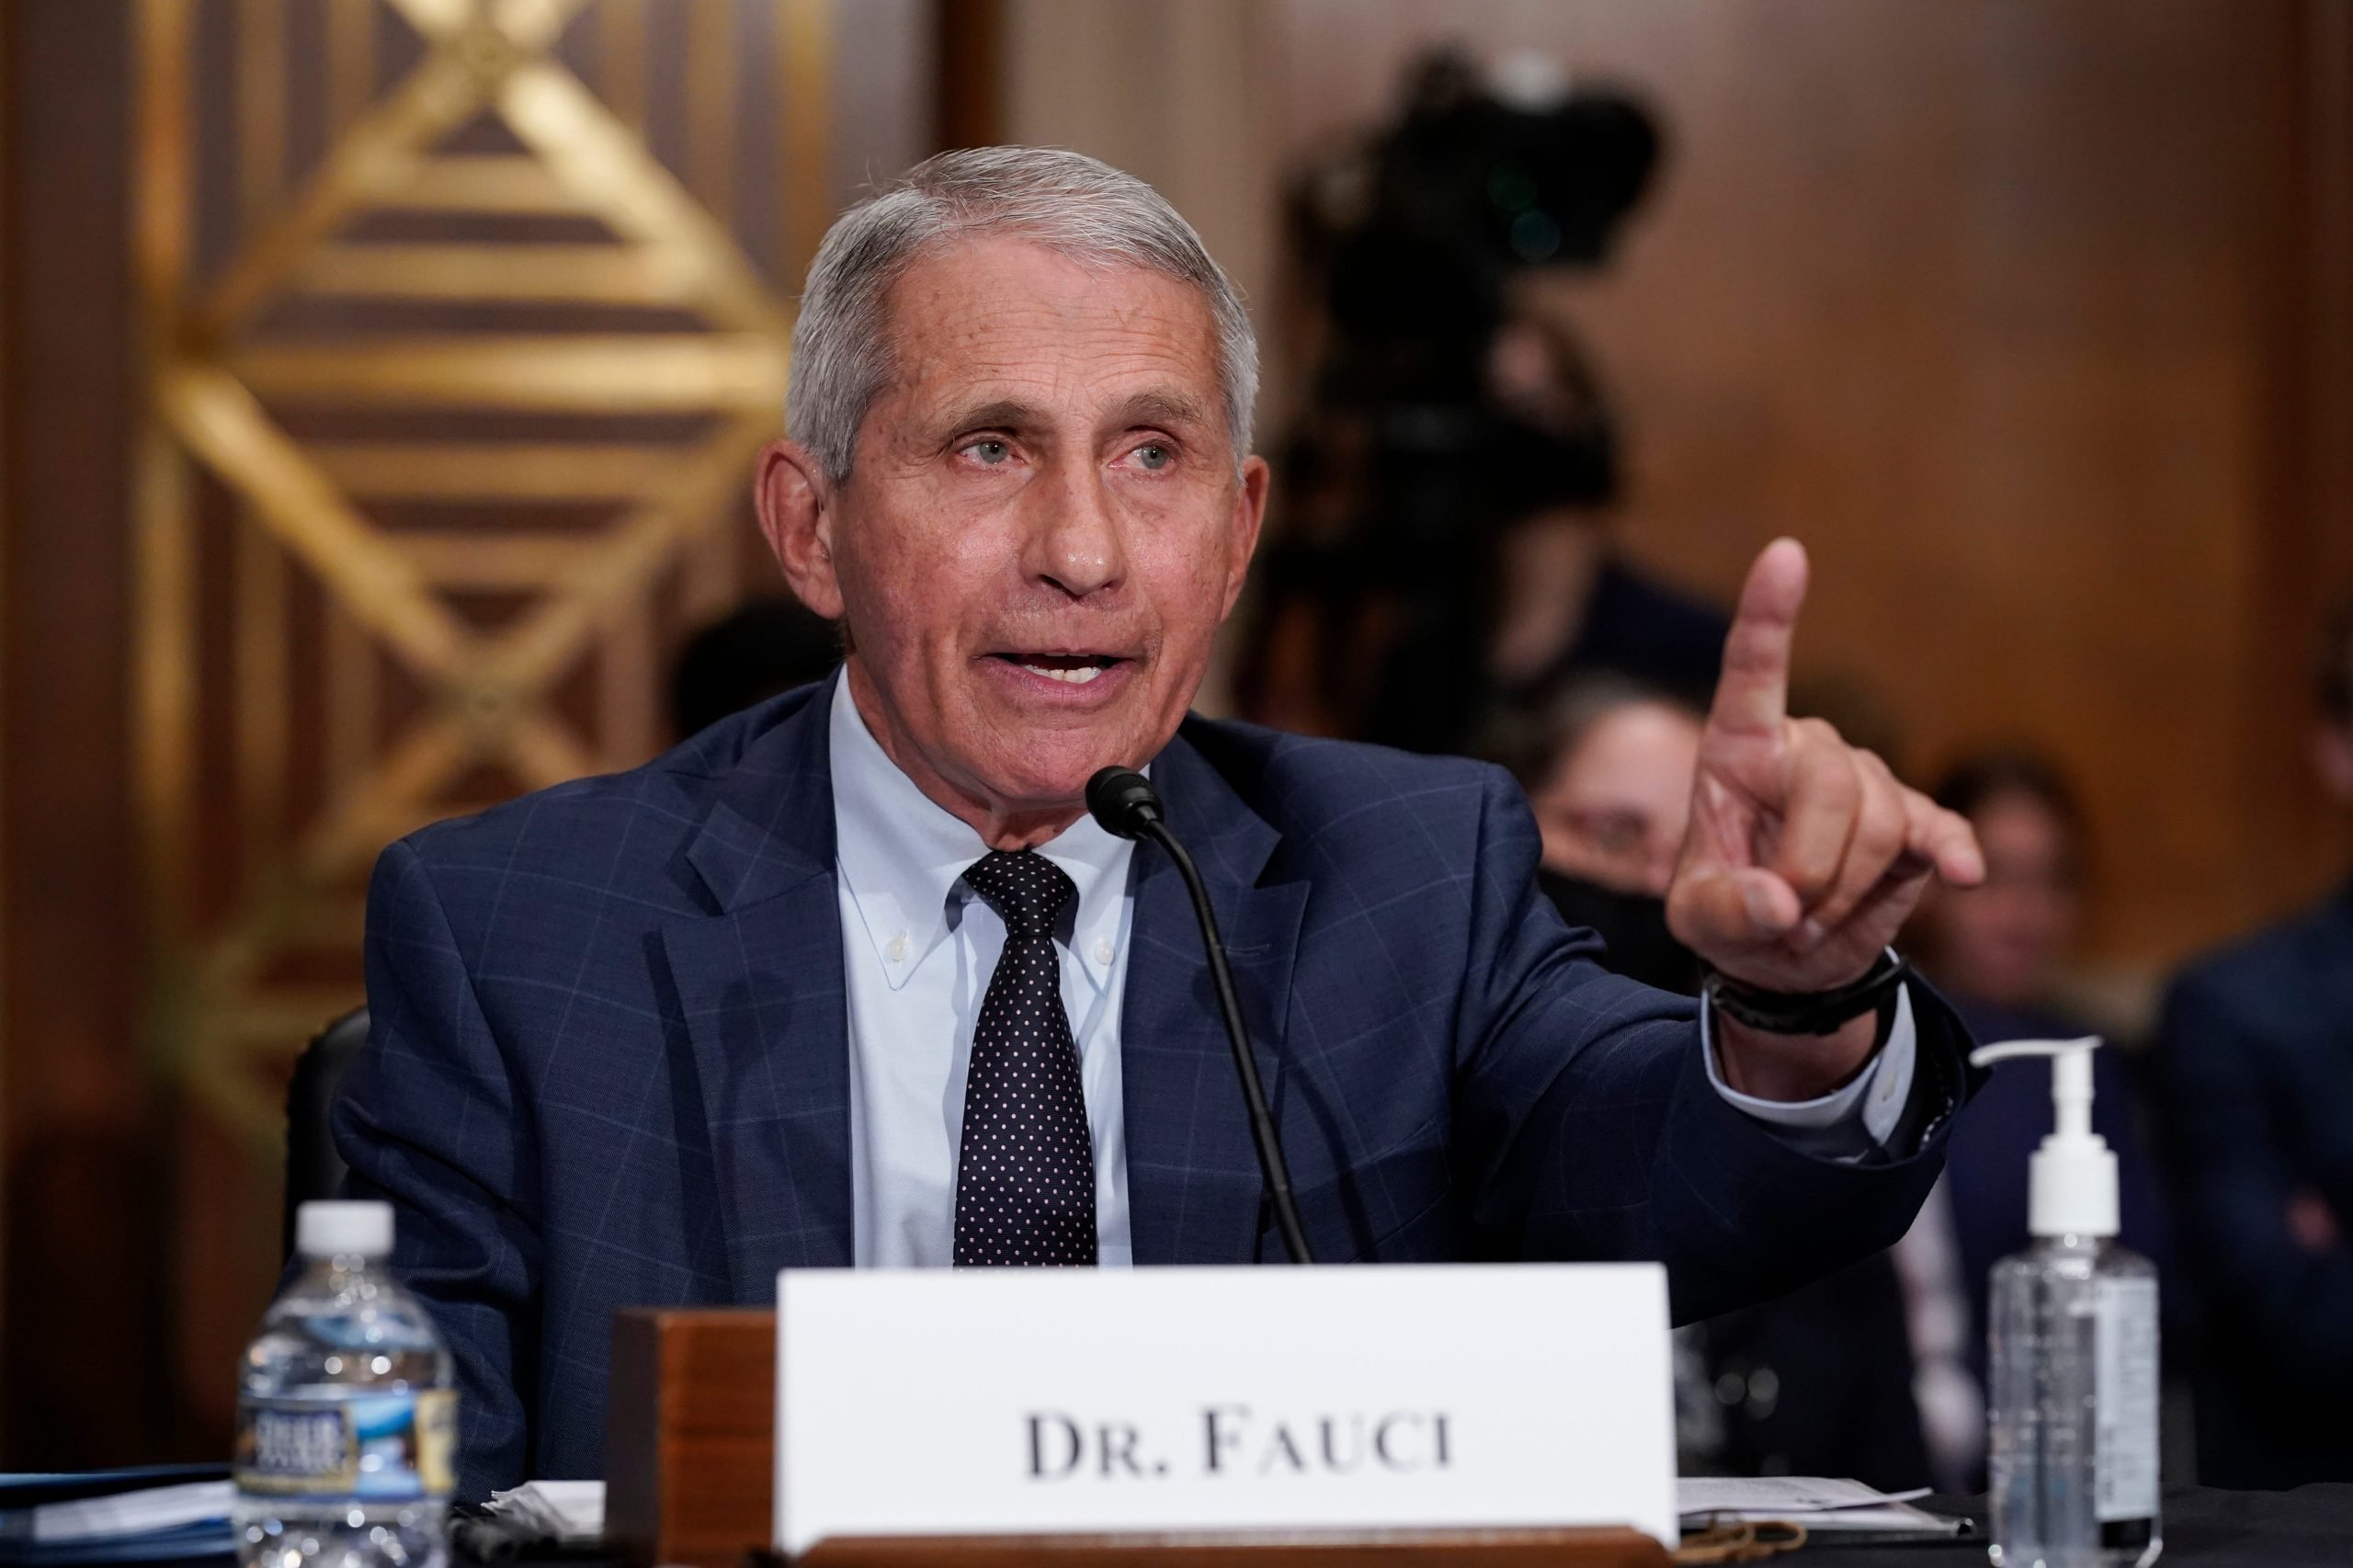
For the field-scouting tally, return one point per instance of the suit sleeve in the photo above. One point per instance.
(1593, 1131)
(2232, 1187)
(430, 1118)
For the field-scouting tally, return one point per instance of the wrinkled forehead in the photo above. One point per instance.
(999, 319)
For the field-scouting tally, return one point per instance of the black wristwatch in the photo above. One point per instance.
(1807, 1012)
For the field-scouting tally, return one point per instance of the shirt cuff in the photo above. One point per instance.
(1850, 1122)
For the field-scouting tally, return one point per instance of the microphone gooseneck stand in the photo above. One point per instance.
(1124, 801)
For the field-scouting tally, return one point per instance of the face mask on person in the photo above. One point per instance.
(1633, 925)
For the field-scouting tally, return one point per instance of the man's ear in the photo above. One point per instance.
(797, 516)
(1249, 515)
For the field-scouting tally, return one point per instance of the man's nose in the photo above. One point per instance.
(1075, 540)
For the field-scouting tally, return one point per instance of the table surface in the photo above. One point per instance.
(2201, 1525)
(2202, 1528)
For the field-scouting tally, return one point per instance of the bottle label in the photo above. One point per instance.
(2125, 1399)
(389, 1446)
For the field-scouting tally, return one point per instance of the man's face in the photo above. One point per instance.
(2001, 940)
(1042, 528)
(1616, 806)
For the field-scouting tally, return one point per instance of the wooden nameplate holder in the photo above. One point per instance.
(691, 1436)
(690, 1479)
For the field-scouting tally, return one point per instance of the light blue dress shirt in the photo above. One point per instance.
(917, 951)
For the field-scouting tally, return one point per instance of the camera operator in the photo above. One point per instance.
(1445, 548)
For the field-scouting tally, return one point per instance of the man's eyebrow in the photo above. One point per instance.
(1158, 406)
(1004, 412)
(1161, 408)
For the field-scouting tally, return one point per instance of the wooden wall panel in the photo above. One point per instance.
(461, 324)
(1169, 92)
(2011, 310)
(86, 1258)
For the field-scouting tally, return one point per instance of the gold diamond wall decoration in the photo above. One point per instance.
(457, 360)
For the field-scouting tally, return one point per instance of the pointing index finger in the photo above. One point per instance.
(1753, 693)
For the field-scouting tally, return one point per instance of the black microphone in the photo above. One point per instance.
(1124, 801)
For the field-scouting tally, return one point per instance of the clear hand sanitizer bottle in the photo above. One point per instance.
(2073, 1406)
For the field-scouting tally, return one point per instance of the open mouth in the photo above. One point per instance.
(1072, 669)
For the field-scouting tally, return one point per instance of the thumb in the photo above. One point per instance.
(1720, 908)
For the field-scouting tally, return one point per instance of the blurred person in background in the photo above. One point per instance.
(2001, 947)
(2254, 1069)
(1996, 953)
(1814, 1382)
(1445, 549)
(1564, 598)
(1607, 766)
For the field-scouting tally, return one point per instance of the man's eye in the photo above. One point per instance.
(1153, 457)
(990, 452)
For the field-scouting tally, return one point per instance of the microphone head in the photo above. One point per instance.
(1123, 801)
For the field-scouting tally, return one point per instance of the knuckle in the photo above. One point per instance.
(1884, 832)
(1940, 830)
(1851, 782)
(1829, 765)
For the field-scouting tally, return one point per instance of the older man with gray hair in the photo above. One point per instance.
(854, 979)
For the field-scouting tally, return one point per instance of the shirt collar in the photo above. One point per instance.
(903, 856)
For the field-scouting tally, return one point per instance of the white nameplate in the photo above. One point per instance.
(1039, 1401)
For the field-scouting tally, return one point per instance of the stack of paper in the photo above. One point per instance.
(125, 1515)
(1813, 1501)
(572, 1512)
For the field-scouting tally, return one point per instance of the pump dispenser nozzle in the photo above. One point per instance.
(2071, 1181)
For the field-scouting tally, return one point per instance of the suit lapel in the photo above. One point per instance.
(760, 993)
(1195, 1193)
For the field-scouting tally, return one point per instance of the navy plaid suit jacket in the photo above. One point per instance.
(609, 1064)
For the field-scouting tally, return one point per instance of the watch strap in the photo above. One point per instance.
(1806, 1012)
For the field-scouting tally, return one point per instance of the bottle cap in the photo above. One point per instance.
(333, 1230)
(2071, 1179)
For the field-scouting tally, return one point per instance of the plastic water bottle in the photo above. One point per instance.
(346, 1421)
(2072, 1354)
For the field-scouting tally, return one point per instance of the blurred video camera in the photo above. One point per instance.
(1411, 239)
(1440, 415)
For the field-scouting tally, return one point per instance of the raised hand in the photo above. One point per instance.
(1805, 855)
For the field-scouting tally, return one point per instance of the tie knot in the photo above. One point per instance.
(1024, 888)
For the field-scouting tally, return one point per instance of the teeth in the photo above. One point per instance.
(1079, 676)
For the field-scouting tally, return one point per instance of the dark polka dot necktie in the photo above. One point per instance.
(1025, 1173)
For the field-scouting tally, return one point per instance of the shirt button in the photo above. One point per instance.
(1103, 950)
(897, 950)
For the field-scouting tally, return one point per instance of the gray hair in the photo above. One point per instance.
(1066, 201)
